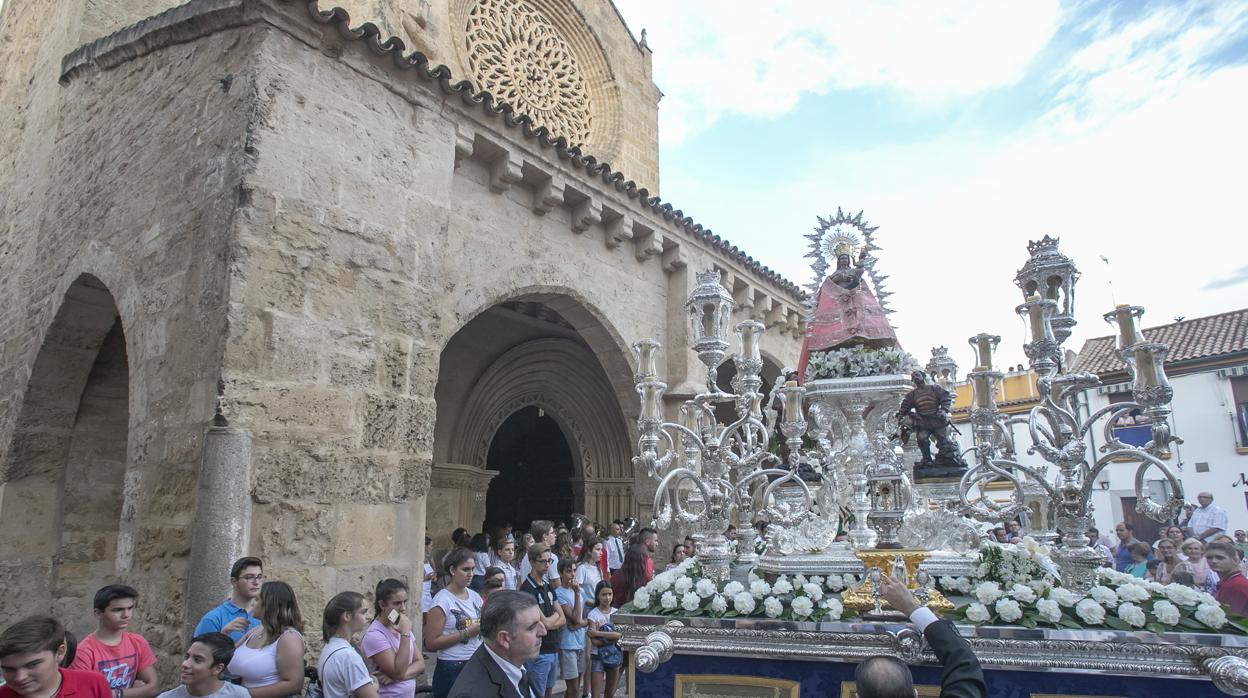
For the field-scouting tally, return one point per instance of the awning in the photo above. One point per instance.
(1115, 388)
(1233, 371)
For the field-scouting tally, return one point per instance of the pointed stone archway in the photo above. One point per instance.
(524, 357)
(62, 485)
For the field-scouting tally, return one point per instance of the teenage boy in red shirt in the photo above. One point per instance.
(31, 651)
(124, 658)
(1232, 587)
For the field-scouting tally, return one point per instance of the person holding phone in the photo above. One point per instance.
(389, 644)
(453, 625)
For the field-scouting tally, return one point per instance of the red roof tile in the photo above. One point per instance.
(1198, 338)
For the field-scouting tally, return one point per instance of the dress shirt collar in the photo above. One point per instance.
(513, 672)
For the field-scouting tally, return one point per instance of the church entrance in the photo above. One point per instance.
(535, 470)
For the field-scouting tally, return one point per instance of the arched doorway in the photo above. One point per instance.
(64, 475)
(525, 377)
(535, 470)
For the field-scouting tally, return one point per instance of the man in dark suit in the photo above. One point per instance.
(512, 630)
(889, 677)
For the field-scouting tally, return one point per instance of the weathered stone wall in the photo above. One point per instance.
(275, 204)
(435, 27)
(132, 181)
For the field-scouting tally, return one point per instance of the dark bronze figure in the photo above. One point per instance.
(925, 411)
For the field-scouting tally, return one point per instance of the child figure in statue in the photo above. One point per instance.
(925, 411)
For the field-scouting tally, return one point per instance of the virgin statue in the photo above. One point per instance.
(847, 313)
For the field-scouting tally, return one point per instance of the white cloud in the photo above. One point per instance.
(714, 58)
(1141, 159)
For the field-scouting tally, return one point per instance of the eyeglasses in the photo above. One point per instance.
(542, 561)
(252, 577)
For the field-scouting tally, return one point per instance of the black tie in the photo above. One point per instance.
(524, 685)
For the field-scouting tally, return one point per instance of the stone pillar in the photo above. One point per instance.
(456, 498)
(222, 528)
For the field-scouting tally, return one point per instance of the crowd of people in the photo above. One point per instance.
(519, 613)
(1194, 550)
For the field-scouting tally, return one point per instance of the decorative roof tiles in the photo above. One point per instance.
(1199, 338)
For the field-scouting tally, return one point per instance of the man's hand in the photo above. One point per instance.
(898, 596)
(235, 626)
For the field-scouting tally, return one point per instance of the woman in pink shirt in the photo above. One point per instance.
(389, 644)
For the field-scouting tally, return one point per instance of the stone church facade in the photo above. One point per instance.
(276, 285)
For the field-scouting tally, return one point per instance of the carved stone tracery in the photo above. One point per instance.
(521, 58)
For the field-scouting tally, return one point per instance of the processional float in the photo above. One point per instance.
(850, 460)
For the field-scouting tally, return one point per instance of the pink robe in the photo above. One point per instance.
(845, 317)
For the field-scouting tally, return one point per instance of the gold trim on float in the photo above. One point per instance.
(782, 688)
(925, 691)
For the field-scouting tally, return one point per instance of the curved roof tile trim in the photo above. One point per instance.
(441, 74)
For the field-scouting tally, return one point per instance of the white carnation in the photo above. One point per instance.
(1156, 588)
(705, 588)
(1166, 612)
(690, 601)
(1090, 612)
(814, 591)
(833, 607)
(803, 606)
(816, 580)
(1211, 615)
(977, 613)
(988, 592)
(683, 585)
(719, 604)
(1203, 598)
(759, 588)
(1023, 593)
(1132, 614)
(668, 601)
(1039, 585)
(982, 570)
(781, 587)
(1009, 610)
(733, 588)
(834, 582)
(660, 584)
(753, 576)
(1105, 596)
(948, 582)
(743, 603)
(1133, 593)
(772, 607)
(1181, 595)
(641, 598)
(1065, 597)
(1048, 610)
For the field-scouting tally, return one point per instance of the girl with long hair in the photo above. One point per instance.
(389, 644)
(632, 575)
(453, 626)
(341, 669)
(269, 658)
(480, 547)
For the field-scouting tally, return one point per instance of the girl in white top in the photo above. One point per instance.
(269, 658)
(426, 586)
(453, 626)
(589, 567)
(604, 680)
(341, 668)
(506, 554)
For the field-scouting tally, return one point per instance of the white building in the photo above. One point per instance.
(1208, 369)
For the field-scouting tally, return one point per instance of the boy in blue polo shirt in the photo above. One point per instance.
(233, 617)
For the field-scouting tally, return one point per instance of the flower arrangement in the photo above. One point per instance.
(1119, 602)
(857, 361)
(683, 591)
(1027, 562)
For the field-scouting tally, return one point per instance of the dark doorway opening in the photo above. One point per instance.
(535, 469)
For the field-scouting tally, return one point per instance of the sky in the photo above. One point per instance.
(964, 129)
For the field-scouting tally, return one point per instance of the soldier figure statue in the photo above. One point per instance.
(926, 412)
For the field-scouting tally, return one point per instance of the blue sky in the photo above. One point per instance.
(964, 129)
